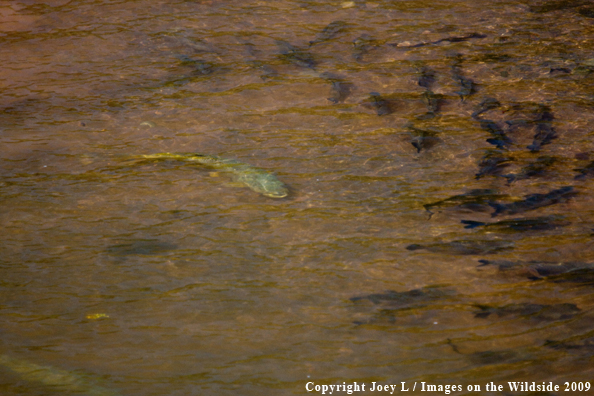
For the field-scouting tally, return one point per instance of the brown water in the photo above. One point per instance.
(213, 289)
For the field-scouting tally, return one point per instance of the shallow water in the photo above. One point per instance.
(210, 288)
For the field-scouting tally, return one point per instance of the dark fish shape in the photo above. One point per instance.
(341, 89)
(53, 379)
(499, 139)
(362, 45)
(585, 344)
(477, 198)
(587, 171)
(535, 269)
(295, 55)
(545, 134)
(522, 224)
(199, 66)
(453, 39)
(406, 299)
(464, 247)
(329, 32)
(145, 247)
(534, 201)
(381, 105)
(426, 77)
(556, 5)
(537, 168)
(432, 101)
(423, 139)
(466, 85)
(487, 357)
(540, 312)
(486, 105)
(492, 164)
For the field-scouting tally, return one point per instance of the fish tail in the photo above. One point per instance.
(472, 224)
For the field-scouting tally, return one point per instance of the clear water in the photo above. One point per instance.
(210, 288)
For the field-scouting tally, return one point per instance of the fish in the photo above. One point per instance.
(392, 301)
(148, 247)
(556, 5)
(476, 200)
(58, 380)
(492, 164)
(464, 247)
(545, 134)
(426, 77)
(500, 139)
(486, 105)
(585, 344)
(256, 179)
(341, 89)
(540, 312)
(537, 168)
(423, 139)
(432, 101)
(487, 357)
(522, 224)
(537, 270)
(534, 201)
(407, 298)
(362, 45)
(452, 39)
(586, 171)
(329, 32)
(381, 105)
(295, 55)
(200, 67)
(466, 85)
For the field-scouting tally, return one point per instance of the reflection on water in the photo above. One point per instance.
(438, 224)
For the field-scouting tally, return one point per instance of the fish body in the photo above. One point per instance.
(500, 139)
(452, 39)
(535, 269)
(423, 139)
(362, 45)
(541, 312)
(492, 164)
(295, 55)
(464, 247)
(381, 105)
(432, 101)
(329, 32)
(545, 134)
(534, 201)
(521, 224)
(256, 179)
(426, 77)
(486, 105)
(537, 168)
(57, 379)
(341, 89)
(586, 171)
(477, 198)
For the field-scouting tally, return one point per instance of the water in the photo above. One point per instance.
(210, 288)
